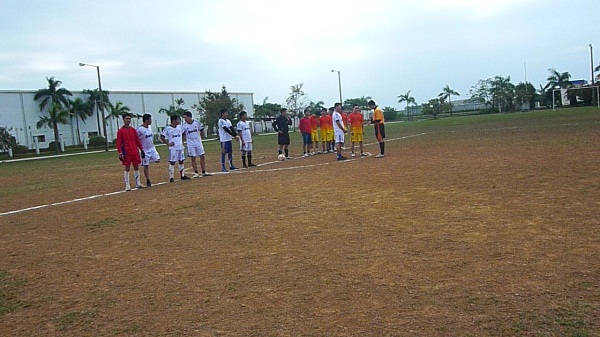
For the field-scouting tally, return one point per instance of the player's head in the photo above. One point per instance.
(224, 113)
(175, 120)
(323, 111)
(306, 112)
(372, 104)
(330, 110)
(337, 107)
(243, 115)
(355, 108)
(126, 119)
(283, 111)
(147, 119)
(187, 116)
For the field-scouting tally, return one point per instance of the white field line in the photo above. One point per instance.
(240, 171)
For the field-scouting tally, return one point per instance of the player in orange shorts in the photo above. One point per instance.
(356, 129)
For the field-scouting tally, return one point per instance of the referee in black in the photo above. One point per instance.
(281, 124)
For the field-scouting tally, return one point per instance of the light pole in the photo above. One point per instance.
(101, 102)
(592, 70)
(339, 84)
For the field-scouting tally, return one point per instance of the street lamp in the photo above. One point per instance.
(339, 84)
(592, 70)
(101, 103)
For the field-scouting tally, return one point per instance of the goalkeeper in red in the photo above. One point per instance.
(128, 144)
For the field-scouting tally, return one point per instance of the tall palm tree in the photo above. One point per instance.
(52, 94)
(95, 105)
(409, 100)
(79, 110)
(447, 94)
(116, 111)
(56, 115)
(558, 79)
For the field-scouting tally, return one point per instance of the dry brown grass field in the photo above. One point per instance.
(470, 226)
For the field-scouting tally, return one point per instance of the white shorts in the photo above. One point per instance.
(176, 155)
(339, 137)
(152, 156)
(195, 151)
(247, 146)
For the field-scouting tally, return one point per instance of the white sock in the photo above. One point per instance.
(136, 175)
(171, 171)
(126, 178)
(180, 170)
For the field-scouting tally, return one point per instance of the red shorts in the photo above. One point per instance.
(132, 159)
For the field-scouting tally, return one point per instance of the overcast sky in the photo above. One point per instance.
(383, 48)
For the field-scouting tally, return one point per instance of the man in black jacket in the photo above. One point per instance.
(281, 126)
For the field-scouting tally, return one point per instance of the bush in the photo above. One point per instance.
(20, 149)
(53, 146)
(96, 141)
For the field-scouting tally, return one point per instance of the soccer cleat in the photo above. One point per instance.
(306, 155)
(223, 169)
(352, 155)
(185, 178)
(252, 165)
(196, 175)
(380, 156)
(206, 174)
(148, 183)
(140, 186)
(171, 180)
(127, 187)
(342, 158)
(233, 168)
(363, 154)
(245, 166)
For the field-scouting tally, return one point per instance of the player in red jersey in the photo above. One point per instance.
(128, 144)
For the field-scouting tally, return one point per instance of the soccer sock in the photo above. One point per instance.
(136, 175)
(230, 156)
(382, 147)
(249, 157)
(287, 153)
(126, 178)
(244, 158)
(171, 171)
(181, 170)
(279, 151)
(222, 158)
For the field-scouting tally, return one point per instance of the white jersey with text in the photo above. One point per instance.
(223, 135)
(192, 133)
(173, 135)
(146, 138)
(335, 118)
(243, 129)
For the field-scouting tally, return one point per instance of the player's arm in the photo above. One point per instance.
(275, 125)
(230, 130)
(339, 124)
(119, 144)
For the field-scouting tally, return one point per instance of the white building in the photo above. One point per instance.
(19, 112)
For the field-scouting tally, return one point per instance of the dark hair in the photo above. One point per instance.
(243, 113)
(324, 109)
(126, 115)
(174, 118)
(283, 109)
(306, 110)
(146, 117)
(372, 102)
(356, 105)
(331, 109)
(337, 104)
(187, 114)
(223, 111)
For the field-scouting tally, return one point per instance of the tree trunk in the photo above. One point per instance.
(56, 138)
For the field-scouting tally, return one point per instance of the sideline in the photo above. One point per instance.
(240, 171)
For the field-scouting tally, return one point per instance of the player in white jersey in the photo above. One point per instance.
(338, 130)
(172, 136)
(226, 134)
(193, 131)
(243, 129)
(147, 139)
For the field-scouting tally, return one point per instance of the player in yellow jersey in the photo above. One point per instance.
(378, 123)
(356, 121)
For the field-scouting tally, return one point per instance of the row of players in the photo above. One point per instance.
(129, 140)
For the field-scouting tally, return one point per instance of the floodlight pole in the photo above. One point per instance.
(339, 84)
(101, 103)
(592, 71)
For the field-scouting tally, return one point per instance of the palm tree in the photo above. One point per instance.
(409, 100)
(56, 115)
(116, 111)
(52, 94)
(560, 80)
(79, 110)
(95, 105)
(597, 69)
(447, 94)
